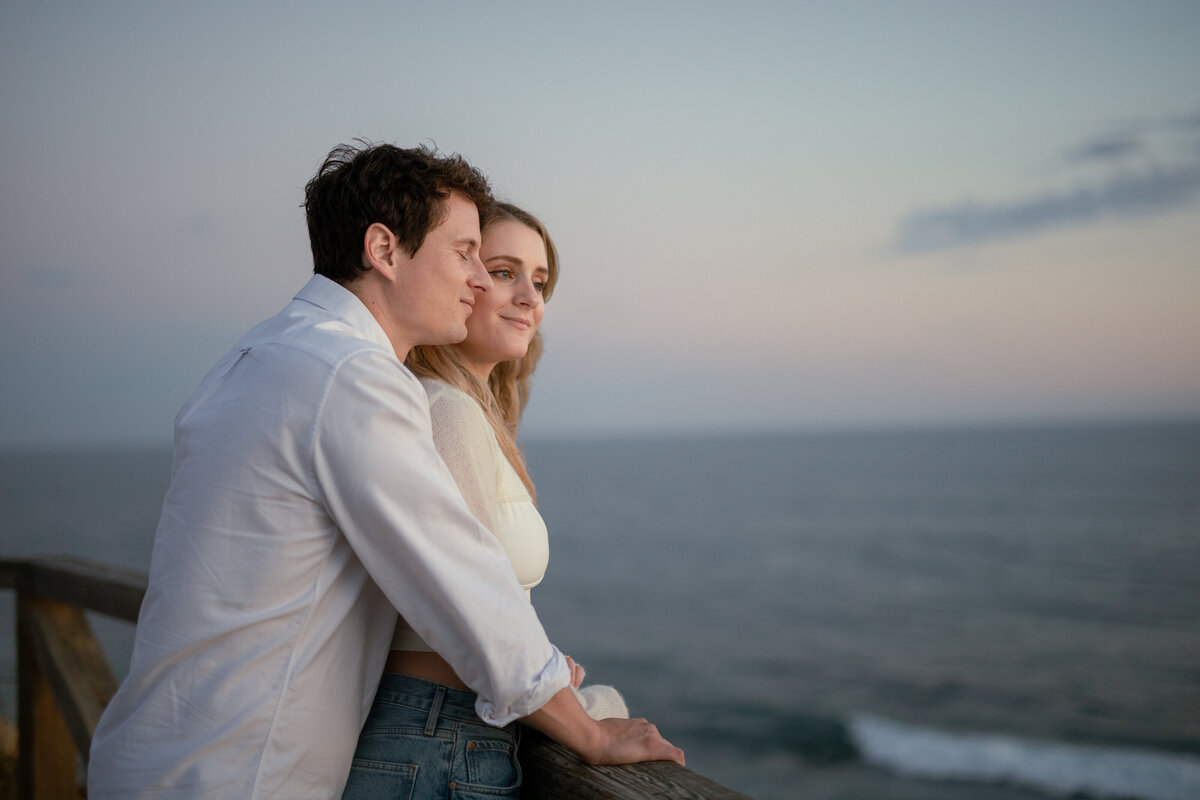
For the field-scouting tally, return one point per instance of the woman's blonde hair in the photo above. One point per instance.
(504, 397)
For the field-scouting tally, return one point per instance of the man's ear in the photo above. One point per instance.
(381, 250)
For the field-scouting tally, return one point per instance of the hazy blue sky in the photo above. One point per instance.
(769, 214)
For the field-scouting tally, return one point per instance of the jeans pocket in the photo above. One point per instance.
(492, 770)
(380, 780)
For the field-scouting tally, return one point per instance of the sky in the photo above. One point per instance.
(770, 216)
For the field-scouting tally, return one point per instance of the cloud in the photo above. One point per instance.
(1127, 195)
(1144, 175)
(1115, 147)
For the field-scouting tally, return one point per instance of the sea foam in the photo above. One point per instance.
(1053, 767)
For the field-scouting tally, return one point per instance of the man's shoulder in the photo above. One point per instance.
(304, 331)
(325, 321)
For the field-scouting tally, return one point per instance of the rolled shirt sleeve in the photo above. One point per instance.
(390, 494)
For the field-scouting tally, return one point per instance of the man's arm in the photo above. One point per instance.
(607, 741)
(391, 495)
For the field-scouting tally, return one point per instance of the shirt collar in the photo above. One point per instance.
(342, 303)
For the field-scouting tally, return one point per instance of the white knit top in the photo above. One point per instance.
(493, 490)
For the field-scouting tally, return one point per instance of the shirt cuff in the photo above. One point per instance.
(553, 678)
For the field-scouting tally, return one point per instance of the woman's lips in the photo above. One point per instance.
(523, 324)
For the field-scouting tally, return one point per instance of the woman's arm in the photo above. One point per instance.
(464, 440)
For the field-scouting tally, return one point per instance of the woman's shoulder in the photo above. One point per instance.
(439, 391)
(449, 402)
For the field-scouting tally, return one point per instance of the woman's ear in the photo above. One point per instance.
(380, 250)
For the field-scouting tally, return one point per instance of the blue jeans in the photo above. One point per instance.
(423, 740)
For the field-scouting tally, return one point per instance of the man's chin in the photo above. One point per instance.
(452, 335)
(456, 336)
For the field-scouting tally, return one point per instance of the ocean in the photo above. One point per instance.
(940, 614)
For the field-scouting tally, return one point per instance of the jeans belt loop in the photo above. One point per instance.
(434, 710)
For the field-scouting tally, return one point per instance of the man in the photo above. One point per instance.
(307, 504)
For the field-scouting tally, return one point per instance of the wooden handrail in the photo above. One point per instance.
(64, 683)
(553, 772)
(112, 591)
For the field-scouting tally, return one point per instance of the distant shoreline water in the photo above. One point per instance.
(814, 430)
(994, 614)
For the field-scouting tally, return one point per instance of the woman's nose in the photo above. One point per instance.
(527, 294)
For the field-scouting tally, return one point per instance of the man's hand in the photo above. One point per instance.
(633, 740)
(609, 741)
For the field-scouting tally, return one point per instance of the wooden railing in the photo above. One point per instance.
(64, 682)
(63, 679)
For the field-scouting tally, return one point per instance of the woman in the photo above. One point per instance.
(477, 391)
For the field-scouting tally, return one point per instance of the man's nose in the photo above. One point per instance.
(479, 281)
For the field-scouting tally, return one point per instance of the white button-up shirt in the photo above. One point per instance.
(307, 504)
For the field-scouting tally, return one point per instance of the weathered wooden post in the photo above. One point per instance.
(45, 751)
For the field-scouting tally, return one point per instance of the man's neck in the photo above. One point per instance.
(369, 295)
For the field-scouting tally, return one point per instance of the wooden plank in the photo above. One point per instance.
(46, 767)
(552, 771)
(95, 587)
(73, 665)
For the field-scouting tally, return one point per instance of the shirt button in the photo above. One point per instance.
(470, 745)
(453, 785)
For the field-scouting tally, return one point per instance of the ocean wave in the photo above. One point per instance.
(1053, 767)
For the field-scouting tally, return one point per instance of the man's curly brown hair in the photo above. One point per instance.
(404, 189)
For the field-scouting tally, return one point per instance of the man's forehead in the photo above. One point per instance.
(460, 216)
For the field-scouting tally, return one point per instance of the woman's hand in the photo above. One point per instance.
(577, 672)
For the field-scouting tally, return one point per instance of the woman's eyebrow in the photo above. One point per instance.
(505, 257)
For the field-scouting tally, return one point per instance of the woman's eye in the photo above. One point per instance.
(540, 286)
(502, 274)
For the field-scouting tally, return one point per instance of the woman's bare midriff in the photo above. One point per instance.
(424, 665)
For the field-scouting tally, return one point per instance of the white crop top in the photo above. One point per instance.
(493, 490)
